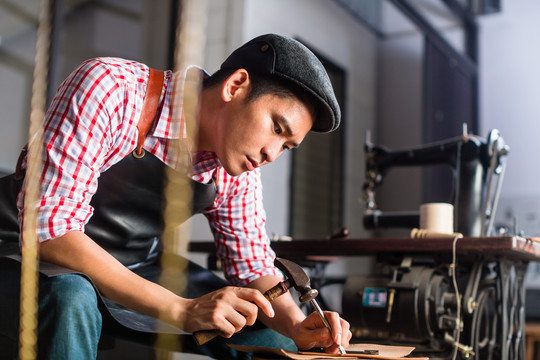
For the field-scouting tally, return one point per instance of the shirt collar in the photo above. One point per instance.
(204, 161)
(171, 123)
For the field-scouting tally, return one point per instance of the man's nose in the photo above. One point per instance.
(272, 151)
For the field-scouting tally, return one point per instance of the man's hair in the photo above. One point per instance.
(264, 84)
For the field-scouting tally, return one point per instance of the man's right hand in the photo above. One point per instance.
(227, 310)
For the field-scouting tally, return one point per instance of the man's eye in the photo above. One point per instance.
(277, 129)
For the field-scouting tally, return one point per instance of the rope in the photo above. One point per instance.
(30, 254)
(457, 331)
(189, 47)
(467, 350)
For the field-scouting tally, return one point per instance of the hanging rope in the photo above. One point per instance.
(189, 47)
(30, 254)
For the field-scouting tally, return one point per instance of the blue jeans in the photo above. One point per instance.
(70, 320)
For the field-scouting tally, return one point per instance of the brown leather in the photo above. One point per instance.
(150, 105)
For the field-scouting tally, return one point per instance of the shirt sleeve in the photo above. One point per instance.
(78, 131)
(238, 226)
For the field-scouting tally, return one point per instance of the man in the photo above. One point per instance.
(265, 98)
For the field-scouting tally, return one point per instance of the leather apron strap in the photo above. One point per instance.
(150, 105)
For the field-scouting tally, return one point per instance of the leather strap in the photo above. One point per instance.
(150, 105)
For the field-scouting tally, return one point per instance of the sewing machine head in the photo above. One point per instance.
(474, 161)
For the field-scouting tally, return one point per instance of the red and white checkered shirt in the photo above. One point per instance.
(92, 124)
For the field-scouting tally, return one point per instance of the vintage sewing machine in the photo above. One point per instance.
(412, 297)
(474, 161)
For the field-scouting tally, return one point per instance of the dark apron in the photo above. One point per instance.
(128, 208)
(127, 222)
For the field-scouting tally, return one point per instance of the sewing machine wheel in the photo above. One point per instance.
(484, 326)
(416, 306)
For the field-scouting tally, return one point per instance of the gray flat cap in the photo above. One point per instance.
(289, 59)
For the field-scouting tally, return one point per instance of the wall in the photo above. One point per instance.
(16, 67)
(509, 59)
(400, 118)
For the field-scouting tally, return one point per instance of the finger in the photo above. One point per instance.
(236, 321)
(346, 334)
(217, 312)
(224, 325)
(335, 324)
(248, 310)
(258, 298)
(234, 312)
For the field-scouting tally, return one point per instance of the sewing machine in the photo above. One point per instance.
(420, 294)
(475, 162)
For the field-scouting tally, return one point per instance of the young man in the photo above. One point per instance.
(95, 216)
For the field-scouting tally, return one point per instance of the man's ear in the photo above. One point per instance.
(236, 85)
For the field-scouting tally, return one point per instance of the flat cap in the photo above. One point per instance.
(289, 59)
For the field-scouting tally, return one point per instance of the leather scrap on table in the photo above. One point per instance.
(386, 352)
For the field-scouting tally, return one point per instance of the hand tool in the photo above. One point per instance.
(303, 285)
(326, 323)
(295, 277)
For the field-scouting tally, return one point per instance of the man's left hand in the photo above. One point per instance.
(312, 333)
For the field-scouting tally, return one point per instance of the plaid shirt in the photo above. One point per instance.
(92, 124)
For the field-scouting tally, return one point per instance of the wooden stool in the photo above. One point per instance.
(532, 339)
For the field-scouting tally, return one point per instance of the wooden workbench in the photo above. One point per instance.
(506, 256)
(505, 247)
